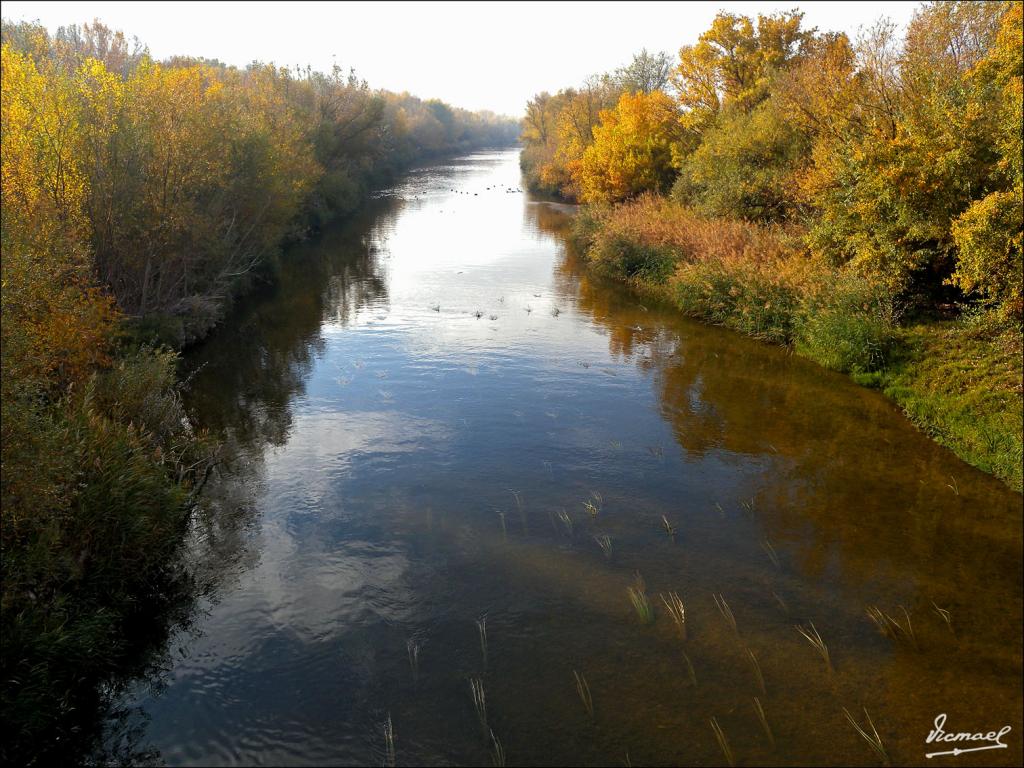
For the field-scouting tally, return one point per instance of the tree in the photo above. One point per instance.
(632, 149)
(647, 72)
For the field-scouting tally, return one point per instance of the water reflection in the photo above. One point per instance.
(415, 417)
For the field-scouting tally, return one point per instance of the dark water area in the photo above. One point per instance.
(449, 452)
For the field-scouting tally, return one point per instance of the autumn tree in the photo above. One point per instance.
(632, 150)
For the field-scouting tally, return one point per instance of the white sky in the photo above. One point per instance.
(474, 55)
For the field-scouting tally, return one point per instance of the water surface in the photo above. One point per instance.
(418, 416)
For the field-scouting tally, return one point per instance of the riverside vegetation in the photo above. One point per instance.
(139, 197)
(857, 201)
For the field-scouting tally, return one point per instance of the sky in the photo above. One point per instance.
(474, 55)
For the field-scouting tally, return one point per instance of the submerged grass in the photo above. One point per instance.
(762, 718)
(497, 752)
(726, 611)
(481, 628)
(638, 597)
(583, 689)
(676, 609)
(892, 627)
(476, 687)
(723, 742)
(389, 743)
(810, 633)
(756, 667)
(872, 738)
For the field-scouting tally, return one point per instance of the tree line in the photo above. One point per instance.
(900, 158)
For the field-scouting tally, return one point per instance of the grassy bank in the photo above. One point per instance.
(958, 380)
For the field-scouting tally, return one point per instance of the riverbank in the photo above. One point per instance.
(958, 380)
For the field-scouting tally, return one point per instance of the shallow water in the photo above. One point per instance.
(401, 467)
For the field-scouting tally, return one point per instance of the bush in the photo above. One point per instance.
(846, 323)
(98, 549)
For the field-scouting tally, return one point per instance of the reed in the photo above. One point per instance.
(763, 719)
(412, 647)
(481, 628)
(518, 498)
(476, 686)
(566, 521)
(756, 667)
(726, 611)
(504, 526)
(641, 605)
(656, 451)
(812, 636)
(638, 597)
(782, 603)
(555, 311)
(478, 314)
(389, 743)
(497, 752)
(669, 528)
(604, 541)
(723, 742)
(946, 616)
(676, 609)
(873, 739)
(689, 669)
(891, 627)
(955, 487)
(772, 554)
(583, 689)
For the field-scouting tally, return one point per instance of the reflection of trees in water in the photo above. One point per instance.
(836, 475)
(246, 378)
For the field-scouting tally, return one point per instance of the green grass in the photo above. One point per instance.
(960, 383)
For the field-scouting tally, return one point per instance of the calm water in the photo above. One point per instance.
(417, 418)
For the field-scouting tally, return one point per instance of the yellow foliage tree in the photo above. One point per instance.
(632, 149)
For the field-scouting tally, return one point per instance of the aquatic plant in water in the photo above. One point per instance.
(891, 627)
(723, 743)
(583, 689)
(497, 752)
(476, 686)
(676, 609)
(756, 667)
(726, 611)
(762, 717)
(811, 634)
(872, 738)
(389, 743)
(638, 597)
(481, 628)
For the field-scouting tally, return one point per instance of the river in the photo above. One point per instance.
(451, 453)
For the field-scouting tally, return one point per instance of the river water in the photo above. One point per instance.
(451, 451)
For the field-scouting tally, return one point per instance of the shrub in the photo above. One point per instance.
(846, 322)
